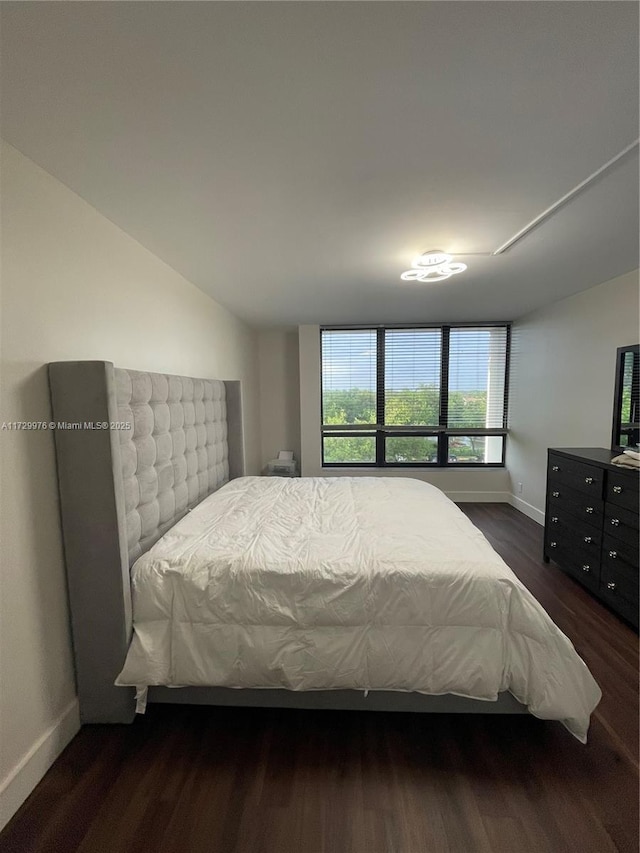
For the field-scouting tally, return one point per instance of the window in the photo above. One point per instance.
(414, 396)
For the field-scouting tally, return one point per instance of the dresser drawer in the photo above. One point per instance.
(622, 489)
(582, 566)
(618, 554)
(618, 584)
(577, 475)
(565, 535)
(621, 523)
(627, 609)
(615, 550)
(580, 506)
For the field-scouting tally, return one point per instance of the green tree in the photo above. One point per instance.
(412, 406)
(403, 407)
(353, 406)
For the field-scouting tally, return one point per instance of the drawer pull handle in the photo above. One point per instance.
(615, 521)
(589, 510)
(553, 544)
(554, 519)
(588, 480)
(586, 569)
(613, 554)
(556, 468)
(617, 489)
(588, 540)
(611, 585)
(555, 494)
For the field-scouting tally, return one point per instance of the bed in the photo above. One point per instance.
(313, 592)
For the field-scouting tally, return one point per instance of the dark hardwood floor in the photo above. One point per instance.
(266, 781)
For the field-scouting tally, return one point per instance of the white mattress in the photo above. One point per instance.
(366, 583)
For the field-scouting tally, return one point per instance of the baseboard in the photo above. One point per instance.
(478, 497)
(528, 509)
(23, 778)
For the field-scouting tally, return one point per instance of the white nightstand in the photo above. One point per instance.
(282, 468)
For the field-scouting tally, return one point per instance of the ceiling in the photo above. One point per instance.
(291, 158)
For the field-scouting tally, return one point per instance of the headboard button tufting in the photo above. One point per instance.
(175, 453)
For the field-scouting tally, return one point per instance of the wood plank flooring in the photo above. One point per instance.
(267, 781)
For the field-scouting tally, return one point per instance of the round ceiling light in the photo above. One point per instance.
(431, 259)
(432, 266)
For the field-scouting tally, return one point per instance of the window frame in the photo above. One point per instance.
(442, 432)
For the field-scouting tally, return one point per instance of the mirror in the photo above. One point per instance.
(626, 402)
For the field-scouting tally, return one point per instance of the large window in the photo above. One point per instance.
(414, 396)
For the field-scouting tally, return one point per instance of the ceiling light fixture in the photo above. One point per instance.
(432, 266)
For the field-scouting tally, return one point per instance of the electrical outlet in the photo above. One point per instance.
(519, 488)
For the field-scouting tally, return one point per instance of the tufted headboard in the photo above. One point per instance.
(173, 453)
(171, 441)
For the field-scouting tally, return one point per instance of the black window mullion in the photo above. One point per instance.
(443, 420)
(380, 370)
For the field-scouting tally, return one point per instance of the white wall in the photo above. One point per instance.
(562, 380)
(462, 484)
(279, 392)
(75, 287)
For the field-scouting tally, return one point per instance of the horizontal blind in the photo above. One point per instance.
(477, 370)
(412, 377)
(630, 390)
(348, 376)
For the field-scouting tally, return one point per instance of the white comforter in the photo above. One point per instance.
(366, 583)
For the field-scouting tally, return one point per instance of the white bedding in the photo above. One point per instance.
(366, 583)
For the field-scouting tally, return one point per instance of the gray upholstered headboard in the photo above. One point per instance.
(122, 487)
(173, 453)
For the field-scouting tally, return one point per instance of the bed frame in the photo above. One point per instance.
(121, 488)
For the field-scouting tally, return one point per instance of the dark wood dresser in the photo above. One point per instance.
(591, 526)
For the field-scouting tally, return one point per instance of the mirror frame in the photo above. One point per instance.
(617, 396)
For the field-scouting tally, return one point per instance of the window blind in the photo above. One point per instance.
(477, 372)
(412, 365)
(349, 377)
